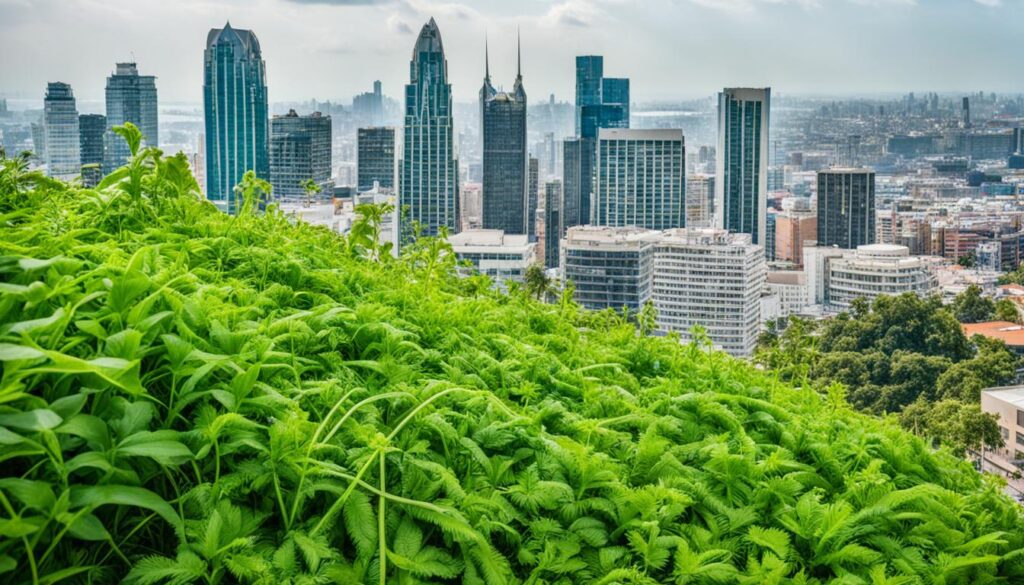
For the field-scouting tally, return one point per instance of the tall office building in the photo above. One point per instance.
(532, 193)
(741, 179)
(505, 160)
(91, 128)
(589, 71)
(60, 132)
(368, 107)
(600, 103)
(552, 223)
(130, 98)
(641, 178)
(300, 150)
(235, 107)
(846, 208)
(429, 179)
(375, 158)
(700, 198)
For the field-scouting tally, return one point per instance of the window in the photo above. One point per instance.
(1020, 418)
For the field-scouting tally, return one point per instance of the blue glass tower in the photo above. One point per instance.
(429, 179)
(235, 106)
(741, 182)
(589, 70)
(505, 163)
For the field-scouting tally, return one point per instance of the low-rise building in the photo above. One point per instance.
(874, 270)
(610, 267)
(1008, 404)
(501, 256)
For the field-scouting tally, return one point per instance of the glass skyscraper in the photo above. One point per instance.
(846, 208)
(375, 158)
(62, 143)
(641, 179)
(429, 179)
(235, 104)
(300, 150)
(130, 98)
(91, 128)
(589, 71)
(552, 222)
(505, 161)
(741, 183)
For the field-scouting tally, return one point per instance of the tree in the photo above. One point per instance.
(971, 307)
(536, 282)
(1006, 310)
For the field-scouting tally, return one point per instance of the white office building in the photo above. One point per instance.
(874, 270)
(501, 256)
(711, 278)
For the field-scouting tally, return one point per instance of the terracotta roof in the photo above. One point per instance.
(1010, 333)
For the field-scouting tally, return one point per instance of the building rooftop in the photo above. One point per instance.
(488, 238)
(1009, 333)
(635, 134)
(1011, 394)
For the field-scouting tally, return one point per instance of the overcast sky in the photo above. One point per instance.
(331, 49)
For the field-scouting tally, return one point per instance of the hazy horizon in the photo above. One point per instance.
(670, 49)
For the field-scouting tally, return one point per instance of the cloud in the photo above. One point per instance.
(572, 13)
(396, 24)
(990, 3)
(746, 6)
(343, 2)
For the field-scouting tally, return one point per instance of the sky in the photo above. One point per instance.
(671, 49)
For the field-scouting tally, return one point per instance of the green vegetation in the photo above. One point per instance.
(191, 397)
(905, 355)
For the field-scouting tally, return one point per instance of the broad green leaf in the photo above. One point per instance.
(34, 420)
(123, 495)
(10, 352)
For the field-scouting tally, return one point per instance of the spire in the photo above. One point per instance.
(487, 61)
(519, 55)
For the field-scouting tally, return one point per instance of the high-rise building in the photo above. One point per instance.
(610, 267)
(91, 128)
(710, 278)
(300, 150)
(577, 169)
(368, 107)
(615, 91)
(505, 160)
(700, 198)
(62, 150)
(375, 158)
(640, 179)
(130, 98)
(741, 178)
(532, 187)
(429, 179)
(589, 71)
(235, 108)
(552, 224)
(846, 208)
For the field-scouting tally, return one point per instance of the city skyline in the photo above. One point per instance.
(300, 37)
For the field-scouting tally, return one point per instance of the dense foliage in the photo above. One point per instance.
(906, 355)
(191, 397)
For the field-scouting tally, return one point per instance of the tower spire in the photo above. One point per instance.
(519, 55)
(487, 60)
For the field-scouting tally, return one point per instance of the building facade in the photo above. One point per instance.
(792, 229)
(235, 108)
(640, 179)
(609, 267)
(503, 257)
(505, 159)
(700, 198)
(375, 158)
(712, 279)
(429, 176)
(91, 128)
(62, 141)
(550, 231)
(874, 270)
(846, 208)
(130, 98)
(300, 150)
(741, 178)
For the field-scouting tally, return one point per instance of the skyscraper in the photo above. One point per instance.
(532, 187)
(741, 182)
(846, 208)
(300, 150)
(641, 179)
(91, 128)
(60, 132)
(700, 198)
(235, 105)
(505, 164)
(130, 98)
(589, 71)
(600, 103)
(375, 158)
(552, 222)
(429, 179)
